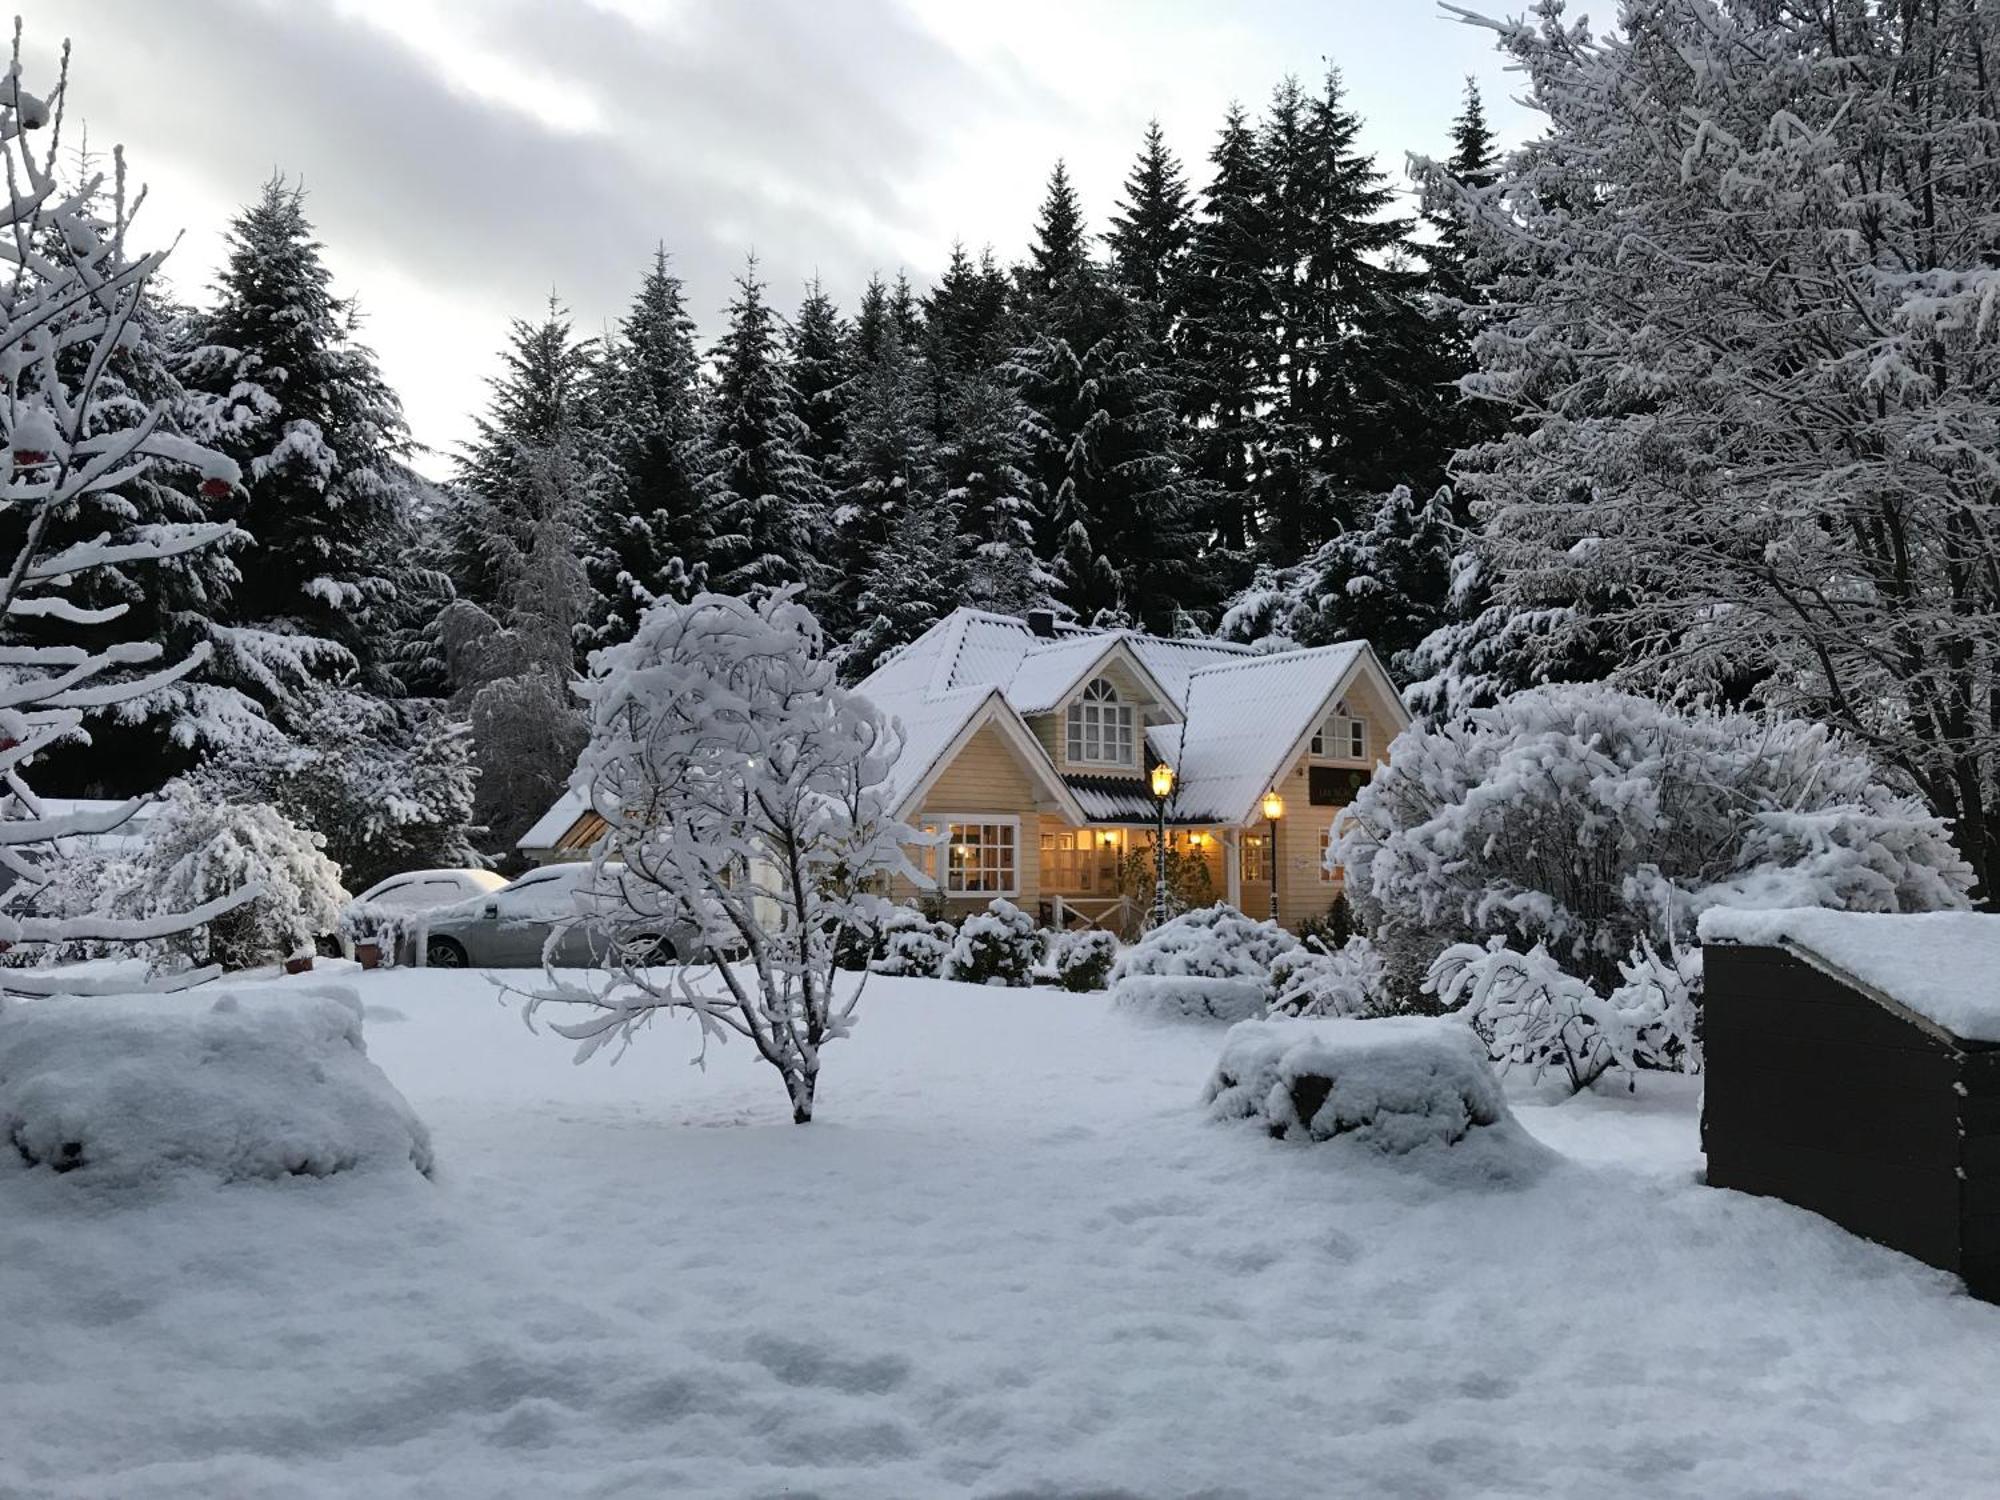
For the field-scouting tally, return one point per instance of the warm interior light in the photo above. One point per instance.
(1196, 840)
(1163, 781)
(1274, 805)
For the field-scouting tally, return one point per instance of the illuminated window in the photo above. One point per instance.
(1102, 730)
(979, 858)
(1257, 857)
(1326, 874)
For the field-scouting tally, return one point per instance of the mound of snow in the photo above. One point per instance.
(1189, 997)
(254, 1081)
(1398, 1082)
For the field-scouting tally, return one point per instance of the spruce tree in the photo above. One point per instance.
(1222, 342)
(966, 319)
(657, 497)
(918, 576)
(528, 488)
(1060, 248)
(281, 385)
(982, 469)
(1151, 232)
(822, 377)
(771, 508)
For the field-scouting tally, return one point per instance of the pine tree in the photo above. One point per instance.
(1060, 248)
(1222, 337)
(1455, 292)
(772, 508)
(660, 491)
(822, 377)
(918, 576)
(1152, 231)
(280, 385)
(966, 321)
(528, 488)
(982, 468)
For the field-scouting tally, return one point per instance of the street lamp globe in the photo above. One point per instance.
(1274, 806)
(1163, 781)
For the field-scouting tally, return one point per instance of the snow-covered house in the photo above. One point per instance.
(1028, 743)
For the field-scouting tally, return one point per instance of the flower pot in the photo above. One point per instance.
(368, 954)
(299, 965)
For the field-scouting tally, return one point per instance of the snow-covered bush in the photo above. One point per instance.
(1587, 821)
(1535, 1017)
(1397, 1084)
(199, 850)
(1083, 958)
(1350, 980)
(1213, 964)
(745, 792)
(1000, 945)
(258, 1081)
(911, 945)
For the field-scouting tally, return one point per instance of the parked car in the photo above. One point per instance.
(509, 928)
(421, 890)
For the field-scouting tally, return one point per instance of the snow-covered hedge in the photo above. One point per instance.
(911, 945)
(257, 1081)
(1591, 823)
(1350, 980)
(1083, 958)
(1213, 964)
(1398, 1083)
(1000, 945)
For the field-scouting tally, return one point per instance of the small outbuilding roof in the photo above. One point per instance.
(1942, 965)
(557, 821)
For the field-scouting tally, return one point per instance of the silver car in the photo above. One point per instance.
(509, 928)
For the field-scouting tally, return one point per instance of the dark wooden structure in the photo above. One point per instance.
(1827, 1093)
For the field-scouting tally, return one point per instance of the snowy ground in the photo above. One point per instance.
(1011, 1259)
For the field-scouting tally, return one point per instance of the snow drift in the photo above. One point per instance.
(257, 1081)
(1397, 1082)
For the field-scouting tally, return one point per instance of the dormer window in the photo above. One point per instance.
(1102, 729)
(1341, 737)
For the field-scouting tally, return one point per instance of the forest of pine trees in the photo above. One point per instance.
(1208, 405)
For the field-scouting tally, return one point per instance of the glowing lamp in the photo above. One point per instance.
(1274, 805)
(1163, 781)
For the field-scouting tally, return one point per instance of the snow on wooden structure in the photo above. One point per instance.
(1853, 1068)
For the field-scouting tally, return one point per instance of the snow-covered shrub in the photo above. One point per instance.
(1586, 821)
(1397, 1084)
(1083, 958)
(1347, 981)
(1000, 945)
(1534, 1016)
(257, 1081)
(1213, 964)
(746, 793)
(199, 850)
(911, 945)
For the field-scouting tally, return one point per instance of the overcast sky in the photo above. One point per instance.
(464, 157)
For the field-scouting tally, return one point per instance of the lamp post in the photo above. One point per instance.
(1162, 781)
(1274, 809)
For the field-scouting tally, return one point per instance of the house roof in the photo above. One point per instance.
(1246, 714)
(1247, 721)
(548, 829)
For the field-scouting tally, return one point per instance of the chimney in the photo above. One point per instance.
(1042, 622)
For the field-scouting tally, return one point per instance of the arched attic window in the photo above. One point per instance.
(1101, 728)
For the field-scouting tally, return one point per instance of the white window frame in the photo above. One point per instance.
(941, 859)
(1106, 718)
(1349, 736)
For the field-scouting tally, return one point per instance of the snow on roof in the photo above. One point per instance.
(554, 823)
(1245, 710)
(1944, 965)
(1243, 722)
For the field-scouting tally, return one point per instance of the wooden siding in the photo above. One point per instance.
(1051, 728)
(987, 776)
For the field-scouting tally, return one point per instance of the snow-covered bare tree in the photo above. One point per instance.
(70, 293)
(1744, 292)
(744, 790)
